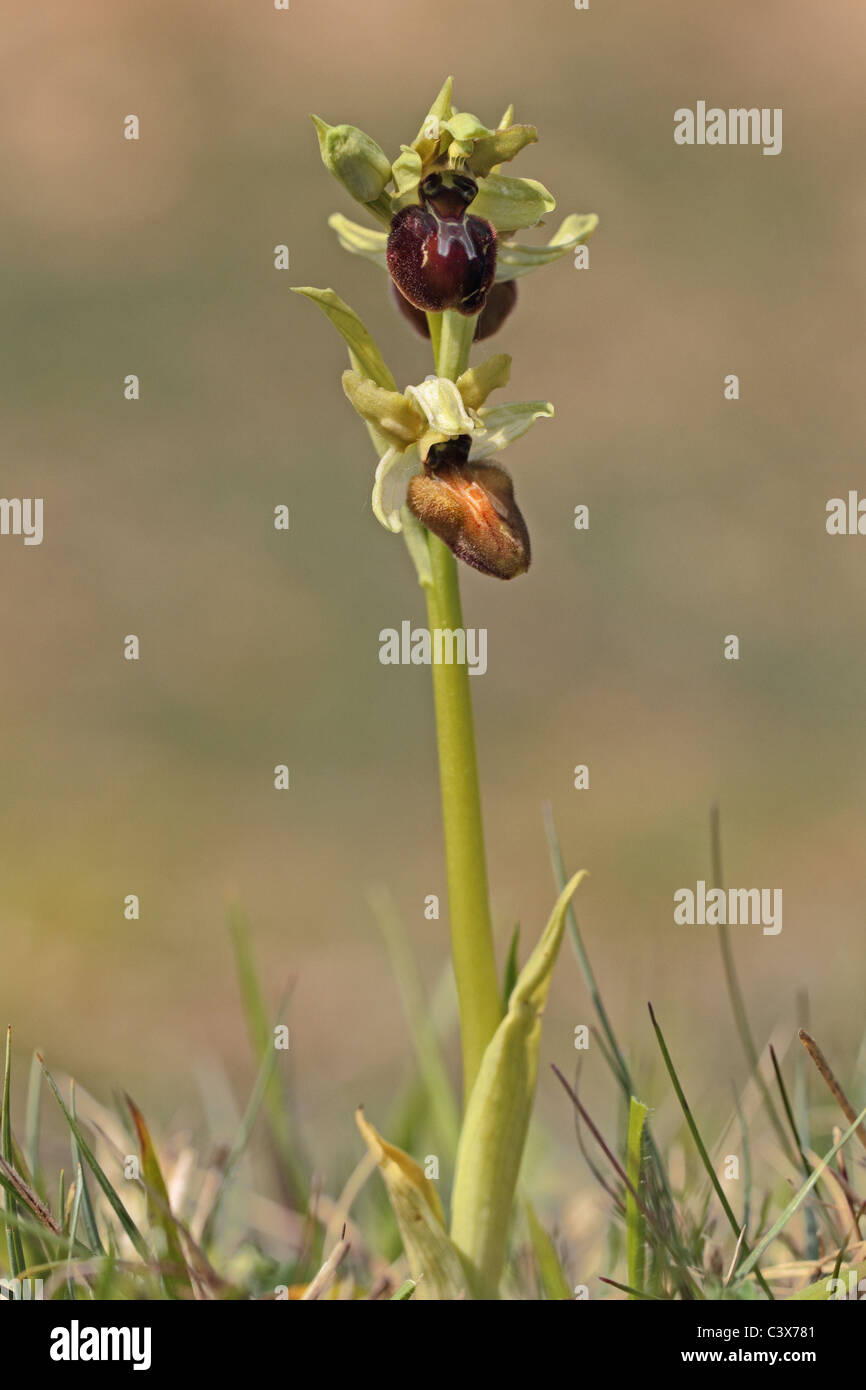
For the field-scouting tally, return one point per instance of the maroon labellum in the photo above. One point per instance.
(471, 507)
(440, 256)
(500, 301)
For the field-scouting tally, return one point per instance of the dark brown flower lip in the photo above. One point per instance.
(438, 255)
(501, 300)
(471, 507)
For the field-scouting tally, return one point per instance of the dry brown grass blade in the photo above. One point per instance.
(28, 1197)
(322, 1280)
(835, 1089)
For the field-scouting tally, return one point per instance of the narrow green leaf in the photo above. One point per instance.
(497, 1115)
(14, 1246)
(260, 1032)
(176, 1277)
(90, 1223)
(705, 1158)
(254, 1105)
(634, 1222)
(548, 1267)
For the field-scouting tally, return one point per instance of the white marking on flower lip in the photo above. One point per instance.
(452, 231)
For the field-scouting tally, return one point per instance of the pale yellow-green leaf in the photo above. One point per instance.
(497, 1116)
(476, 384)
(513, 260)
(434, 1260)
(511, 203)
(364, 353)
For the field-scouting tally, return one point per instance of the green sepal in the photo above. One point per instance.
(392, 415)
(514, 260)
(360, 241)
(512, 203)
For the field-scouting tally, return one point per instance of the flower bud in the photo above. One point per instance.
(471, 507)
(501, 299)
(362, 167)
(439, 256)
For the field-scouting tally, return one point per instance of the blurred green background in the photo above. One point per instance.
(258, 647)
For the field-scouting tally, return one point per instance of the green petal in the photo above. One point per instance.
(361, 241)
(364, 354)
(504, 423)
(476, 384)
(512, 203)
(361, 165)
(391, 414)
(406, 173)
(513, 260)
(464, 127)
(497, 1116)
(499, 146)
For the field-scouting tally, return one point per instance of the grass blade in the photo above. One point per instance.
(735, 994)
(548, 1266)
(634, 1224)
(90, 1159)
(176, 1278)
(14, 1246)
(701, 1148)
(795, 1202)
(276, 1105)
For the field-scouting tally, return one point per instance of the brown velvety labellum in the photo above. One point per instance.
(439, 256)
(501, 299)
(471, 507)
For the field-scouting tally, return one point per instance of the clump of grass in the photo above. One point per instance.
(133, 1218)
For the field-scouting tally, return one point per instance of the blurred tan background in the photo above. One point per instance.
(707, 518)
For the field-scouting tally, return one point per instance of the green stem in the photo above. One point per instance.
(471, 930)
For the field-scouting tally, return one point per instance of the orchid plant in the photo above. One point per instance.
(447, 216)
